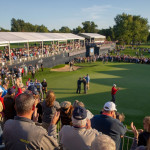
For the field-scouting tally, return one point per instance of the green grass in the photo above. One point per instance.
(58, 66)
(133, 79)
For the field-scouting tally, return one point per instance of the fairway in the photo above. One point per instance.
(133, 79)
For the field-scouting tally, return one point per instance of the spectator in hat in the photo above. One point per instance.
(38, 85)
(22, 133)
(9, 103)
(31, 83)
(66, 113)
(108, 124)
(113, 93)
(49, 107)
(103, 142)
(36, 96)
(79, 103)
(80, 135)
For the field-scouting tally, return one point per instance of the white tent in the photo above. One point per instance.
(22, 37)
(92, 35)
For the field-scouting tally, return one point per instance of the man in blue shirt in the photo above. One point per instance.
(108, 124)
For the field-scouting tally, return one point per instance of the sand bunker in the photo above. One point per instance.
(66, 68)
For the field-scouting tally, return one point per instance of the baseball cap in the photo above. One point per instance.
(11, 91)
(65, 104)
(33, 89)
(1, 90)
(110, 106)
(79, 113)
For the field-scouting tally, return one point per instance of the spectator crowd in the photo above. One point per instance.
(36, 50)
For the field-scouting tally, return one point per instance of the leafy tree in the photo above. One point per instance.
(90, 27)
(54, 31)
(108, 33)
(65, 29)
(42, 28)
(15, 27)
(21, 26)
(78, 30)
(130, 29)
(108, 38)
(4, 30)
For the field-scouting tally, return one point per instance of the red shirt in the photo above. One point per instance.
(113, 90)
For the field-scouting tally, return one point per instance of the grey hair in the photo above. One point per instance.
(79, 123)
(24, 103)
(103, 142)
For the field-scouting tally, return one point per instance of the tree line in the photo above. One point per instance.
(128, 29)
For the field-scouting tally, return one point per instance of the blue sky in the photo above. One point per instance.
(71, 13)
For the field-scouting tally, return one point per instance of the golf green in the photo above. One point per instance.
(133, 79)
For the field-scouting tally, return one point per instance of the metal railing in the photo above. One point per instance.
(127, 141)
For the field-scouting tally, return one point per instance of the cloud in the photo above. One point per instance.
(98, 11)
(95, 11)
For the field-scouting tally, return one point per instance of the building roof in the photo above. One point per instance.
(92, 35)
(22, 37)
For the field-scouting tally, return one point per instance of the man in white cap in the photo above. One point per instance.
(108, 124)
(113, 93)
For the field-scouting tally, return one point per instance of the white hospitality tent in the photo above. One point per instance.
(6, 38)
(21, 37)
(97, 37)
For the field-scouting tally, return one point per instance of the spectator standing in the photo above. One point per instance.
(108, 124)
(41, 66)
(44, 87)
(4, 88)
(9, 103)
(33, 72)
(31, 83)
(66, 113)
(49, 107)
(144, 136)
(136, 141)
(38, 85)
(25, 70)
